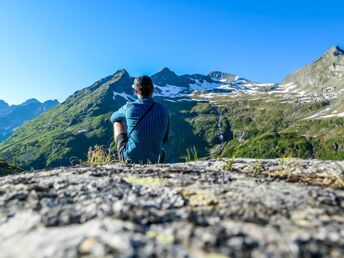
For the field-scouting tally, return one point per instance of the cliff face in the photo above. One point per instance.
(251, 208)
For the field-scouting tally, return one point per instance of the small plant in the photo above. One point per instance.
(99, 155)
(257, 169)
(191, 155)
(194, 153)
(14, 162)
(187, 156)
(229, 163)
(285, 162)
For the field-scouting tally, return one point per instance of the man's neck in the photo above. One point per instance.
(141, 97)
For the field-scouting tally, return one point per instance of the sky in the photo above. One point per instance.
(50, 49)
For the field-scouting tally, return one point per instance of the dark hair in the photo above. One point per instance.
(144, 85)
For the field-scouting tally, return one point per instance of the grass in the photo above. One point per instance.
(257, 169)
(229, 162)
(99, 155)
(286, 162)
(191, 154)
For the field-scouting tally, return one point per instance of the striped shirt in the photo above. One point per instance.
(146, 141)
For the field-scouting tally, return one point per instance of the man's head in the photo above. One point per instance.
(143, 86)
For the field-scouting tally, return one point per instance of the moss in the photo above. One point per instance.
(215, 255)
(144, 181)
(164, 238)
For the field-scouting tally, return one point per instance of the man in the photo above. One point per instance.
(141, 127)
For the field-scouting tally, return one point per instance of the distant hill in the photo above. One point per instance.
(3, 105)
(218, 114)
(14, 116)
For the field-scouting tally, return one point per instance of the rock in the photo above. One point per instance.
(291, 208)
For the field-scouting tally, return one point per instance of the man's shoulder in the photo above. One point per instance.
(129, 104)
(162, 108)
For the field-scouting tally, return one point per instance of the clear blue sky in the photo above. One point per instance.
(49, 49)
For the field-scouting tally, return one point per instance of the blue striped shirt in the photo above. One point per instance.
(146, 141)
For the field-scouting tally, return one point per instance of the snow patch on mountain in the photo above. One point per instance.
(204, 85)
(209, 88)
(333, 115)
(321, 115)
(124, 95)
(168, 85)
(168, 91)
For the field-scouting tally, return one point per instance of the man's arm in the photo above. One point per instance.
(119, 115)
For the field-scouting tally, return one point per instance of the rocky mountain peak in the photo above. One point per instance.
(51, 101)
(217, 76)
(3, 104)
(165, 76)
(166, 71)
(323, 76)
(31, 101)
(335, 51)
(121, 73)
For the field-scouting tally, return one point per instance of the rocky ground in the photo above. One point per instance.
(213, 209)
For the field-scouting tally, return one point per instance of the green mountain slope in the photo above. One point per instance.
(270, 127)
(68, 130)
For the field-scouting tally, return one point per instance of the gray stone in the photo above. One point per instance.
(197, 209)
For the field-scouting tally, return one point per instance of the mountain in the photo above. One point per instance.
(69, 129)
(224, 77)
(14, 116)
(218, 114)
(325, 75)
(322, 81)
(303, 116)
(3, 105)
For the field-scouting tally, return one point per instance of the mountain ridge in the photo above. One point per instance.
(3, 104)
(13, 116)
(221, 114)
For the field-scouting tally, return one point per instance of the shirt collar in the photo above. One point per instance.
(144, 100)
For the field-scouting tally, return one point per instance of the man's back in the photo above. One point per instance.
(146, 139)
